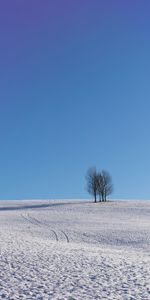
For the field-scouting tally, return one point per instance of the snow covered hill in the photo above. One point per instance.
(74, 249)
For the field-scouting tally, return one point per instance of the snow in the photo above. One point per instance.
(74, 249)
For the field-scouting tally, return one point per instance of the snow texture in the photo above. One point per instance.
(74, 249)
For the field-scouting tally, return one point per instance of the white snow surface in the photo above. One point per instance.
(74, 249)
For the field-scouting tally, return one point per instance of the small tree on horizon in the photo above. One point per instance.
(100, 188)
(105, 186)
(99, 184)
(92, 182)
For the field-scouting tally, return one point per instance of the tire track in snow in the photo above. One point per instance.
(47, 225)
(55, 234)
(42, 223)
(38, 223)
(65, 236)
(35, 221)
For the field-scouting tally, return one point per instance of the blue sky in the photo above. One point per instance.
(74, 87)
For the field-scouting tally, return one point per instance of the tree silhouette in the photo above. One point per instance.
(99, 184)
(92, 182)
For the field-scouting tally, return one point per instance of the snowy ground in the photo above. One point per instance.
(75, 250)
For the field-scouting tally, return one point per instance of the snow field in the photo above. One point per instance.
(74, 250)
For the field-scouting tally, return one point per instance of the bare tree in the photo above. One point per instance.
(107, 186)
(100, 189)
(92, 182)
(99, 184)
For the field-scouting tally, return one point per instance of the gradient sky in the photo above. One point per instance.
(74, 93)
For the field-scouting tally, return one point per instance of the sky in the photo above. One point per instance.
(74, 93)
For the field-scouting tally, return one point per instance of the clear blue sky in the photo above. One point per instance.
(74, 93)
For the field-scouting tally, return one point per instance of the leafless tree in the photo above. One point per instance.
(100, 188)
(107, 186)
(99, 184)
(92, 182)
